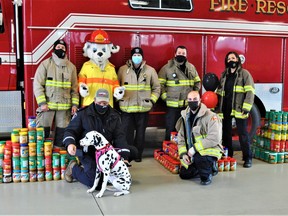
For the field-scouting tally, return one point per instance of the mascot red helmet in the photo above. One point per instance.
(99, 37)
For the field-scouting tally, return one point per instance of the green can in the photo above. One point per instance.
(32, 163)
(257, 152)
(63, 160)
(24, 164)
(56, 160)
(32, 137)
(40, 148)
(285, 157)
(273, 157)
(16, 163)
(40, 162)
(266, 156)
(280, 157)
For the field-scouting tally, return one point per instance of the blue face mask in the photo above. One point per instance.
(136, 59)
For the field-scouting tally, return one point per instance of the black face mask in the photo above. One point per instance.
(193, 105)
(101, 109)
(60, 53)
(232, 64)
(180, 58)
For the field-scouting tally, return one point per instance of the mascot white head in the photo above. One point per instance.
(98, 49)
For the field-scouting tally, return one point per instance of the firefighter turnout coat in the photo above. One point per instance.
(175, 85)
(92, 75)
(55, 84)
(206, 130)
(140, 93)
(243, 93)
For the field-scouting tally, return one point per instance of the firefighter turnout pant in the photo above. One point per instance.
(59, 119)
(243, 134)
(202, 166)
(135, 122)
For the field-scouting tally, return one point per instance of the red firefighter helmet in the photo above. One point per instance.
(100, 37)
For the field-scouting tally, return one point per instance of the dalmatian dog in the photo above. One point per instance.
(109, 163)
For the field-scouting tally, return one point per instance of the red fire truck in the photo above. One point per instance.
(257, 29)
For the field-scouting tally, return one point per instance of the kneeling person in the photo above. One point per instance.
(101, 117)
(199, 140)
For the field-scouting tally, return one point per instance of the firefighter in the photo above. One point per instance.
(199, 140)
(142, 90)
(177, 78)
(236, 97)
(56, 90)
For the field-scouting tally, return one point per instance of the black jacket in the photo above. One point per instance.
(109, 124)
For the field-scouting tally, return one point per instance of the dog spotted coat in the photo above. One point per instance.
(107, 162)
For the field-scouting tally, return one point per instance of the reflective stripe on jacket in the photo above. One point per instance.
(95, 78)
(175, 85)
(243, 93)
(55, 83)
(207, 132)
(142, 93)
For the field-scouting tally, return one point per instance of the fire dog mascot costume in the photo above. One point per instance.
(98, 72)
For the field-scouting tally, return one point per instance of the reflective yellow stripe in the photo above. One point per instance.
(75, 101)
(182, 150)
(58, 106)
(139, 87)
(183, 164)
(164, 96)
(249, 88)
(41, 99)
(247, 106)
(239, 114)
(60, 84)
(130, 109)
(162, 81)
(171, 83)
(154, 98)
(211, 152)
(239, 89)
(179, 103)
(197, 79)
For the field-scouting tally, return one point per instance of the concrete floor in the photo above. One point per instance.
(260, 190)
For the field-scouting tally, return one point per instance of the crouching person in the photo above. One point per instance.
(99, 116)
(199, 140)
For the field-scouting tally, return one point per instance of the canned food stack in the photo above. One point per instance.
(48, 160)
(270, 143)
(168, 155)
(63, 162)
(167, 161)
(28, 156)
(2, 145)
(40, 161)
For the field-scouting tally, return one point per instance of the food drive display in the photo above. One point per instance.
(270, 143)
(28, 156)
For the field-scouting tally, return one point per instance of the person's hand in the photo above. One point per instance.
(186, 159)
(44, 107)
(245, 112)
(71, 149)
(73, 110)
(191, 152)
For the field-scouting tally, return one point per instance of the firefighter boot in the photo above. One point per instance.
(46, 132)
(59, 134)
